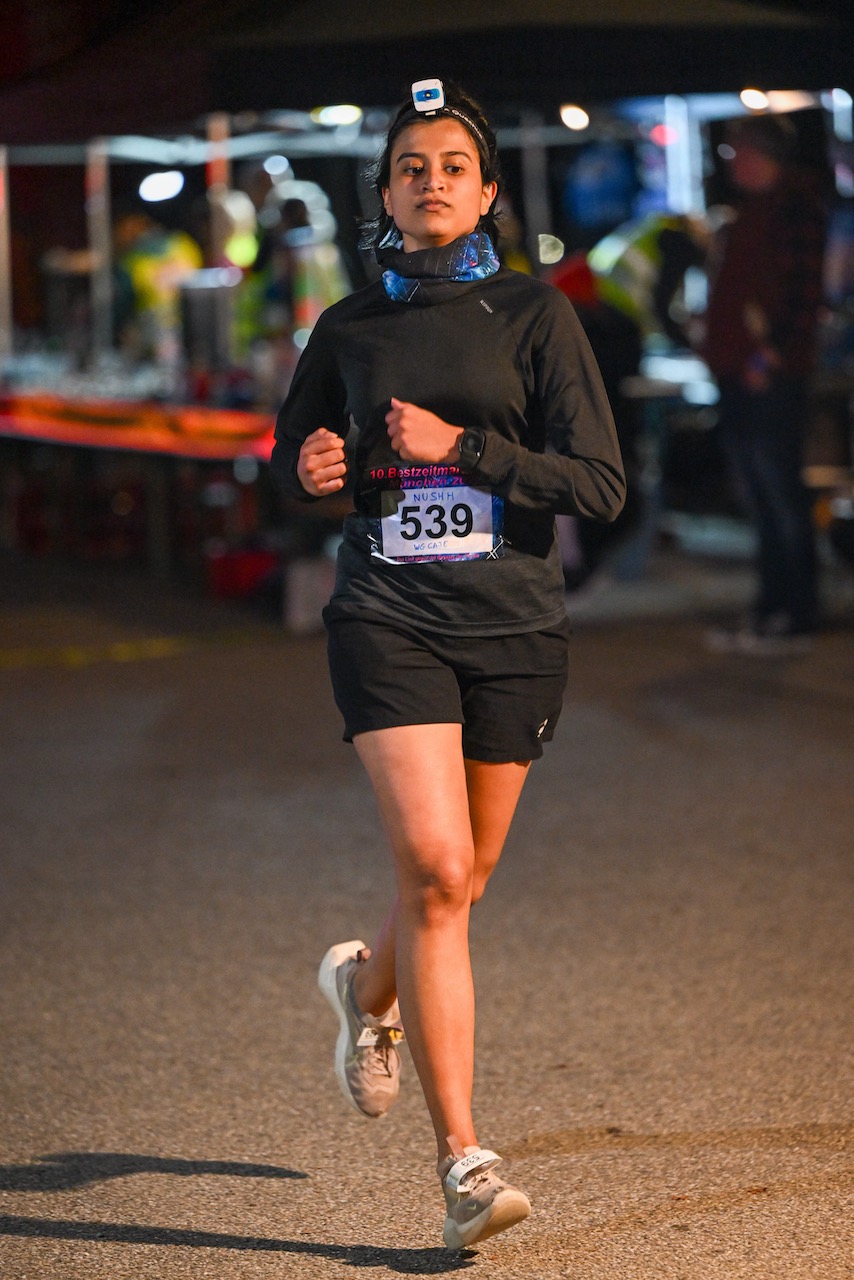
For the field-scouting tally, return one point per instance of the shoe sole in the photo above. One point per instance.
(326, 980)
(507, 1209)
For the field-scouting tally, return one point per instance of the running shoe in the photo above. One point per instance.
(367, 1063)
(479, 1204)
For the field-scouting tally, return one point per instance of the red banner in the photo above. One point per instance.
(188, 431)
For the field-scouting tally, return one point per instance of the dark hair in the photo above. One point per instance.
(458, 106)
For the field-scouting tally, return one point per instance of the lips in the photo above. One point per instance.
(432, 206)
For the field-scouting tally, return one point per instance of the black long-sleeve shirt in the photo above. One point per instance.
(506, 354)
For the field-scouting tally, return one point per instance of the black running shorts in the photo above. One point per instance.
(506, 691)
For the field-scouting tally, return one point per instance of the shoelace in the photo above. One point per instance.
(474, 1182)
(378, 1055)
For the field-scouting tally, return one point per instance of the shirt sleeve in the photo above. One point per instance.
(316, 398)
(581, 472)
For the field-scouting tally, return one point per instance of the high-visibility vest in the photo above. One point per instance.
(627, 264)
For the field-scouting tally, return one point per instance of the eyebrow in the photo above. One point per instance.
(420, 155)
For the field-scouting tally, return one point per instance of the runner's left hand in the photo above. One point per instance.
(420, 436)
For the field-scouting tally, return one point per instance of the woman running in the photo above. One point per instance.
(479, 414)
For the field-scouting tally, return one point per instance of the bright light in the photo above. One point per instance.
(754, 99)
(217, 277)
(683, 155)
(726, 152)
(161, 186)
(550, 249)
(843, 114)
(663, 135)
(573, 117)
(791, 100)
(276, 165)
(241, 249)
(344, 113)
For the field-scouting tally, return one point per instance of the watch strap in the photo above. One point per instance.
(471, 447)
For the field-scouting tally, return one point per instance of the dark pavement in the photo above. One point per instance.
(664, 959)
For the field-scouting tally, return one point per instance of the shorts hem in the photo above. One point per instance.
(502, 757)
(394, 723)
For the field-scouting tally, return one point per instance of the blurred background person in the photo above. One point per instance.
(761, 326)
(297, 271)
(640, 271)
(150, 264)
(628, 291)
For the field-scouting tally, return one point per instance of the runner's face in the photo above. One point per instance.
(752, 171)
(436, 192)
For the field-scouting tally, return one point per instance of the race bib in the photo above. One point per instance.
(438, 517)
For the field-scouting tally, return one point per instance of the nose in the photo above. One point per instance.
(431, 178)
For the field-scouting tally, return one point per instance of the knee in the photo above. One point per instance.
(478, 884)
(486, 860)
(438, 889)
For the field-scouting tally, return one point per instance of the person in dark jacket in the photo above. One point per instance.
(761, 327)
(479, 413)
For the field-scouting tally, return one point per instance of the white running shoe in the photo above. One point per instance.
(367, 1063)
(479, 1204)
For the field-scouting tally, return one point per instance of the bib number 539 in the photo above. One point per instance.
(437, 523)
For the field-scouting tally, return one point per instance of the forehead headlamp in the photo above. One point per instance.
(428, 98)
(428, 95)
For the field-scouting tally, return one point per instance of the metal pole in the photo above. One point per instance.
(218, 178)
(6, 342)
(683, 157)
(100, 245)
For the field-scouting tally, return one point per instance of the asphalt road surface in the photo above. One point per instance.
(663, 960)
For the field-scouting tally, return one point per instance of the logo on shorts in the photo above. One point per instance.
(542, 728)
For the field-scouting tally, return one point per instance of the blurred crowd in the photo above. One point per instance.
(752, 286)
(758, 330)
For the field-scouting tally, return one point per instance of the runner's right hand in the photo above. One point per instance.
(322, 467)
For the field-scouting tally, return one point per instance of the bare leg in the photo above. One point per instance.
(493, 794)
(431, 802)
(493, 791)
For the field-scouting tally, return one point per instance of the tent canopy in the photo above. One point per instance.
(155, 66)
(305, 22)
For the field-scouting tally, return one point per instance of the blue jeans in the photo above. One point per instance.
(762, 433)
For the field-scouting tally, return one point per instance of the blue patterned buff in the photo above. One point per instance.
(471, 257)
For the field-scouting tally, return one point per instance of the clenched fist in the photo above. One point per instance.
(420, 436)
(322, 466)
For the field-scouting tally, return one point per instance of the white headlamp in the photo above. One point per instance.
(428, 95)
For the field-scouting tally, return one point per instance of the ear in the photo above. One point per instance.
(490, 191)
(387, 201)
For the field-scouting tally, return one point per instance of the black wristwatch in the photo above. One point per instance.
(471, 446)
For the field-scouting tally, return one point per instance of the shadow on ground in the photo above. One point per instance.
(80, 1168)
(70, 1170)
(403, 1261)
